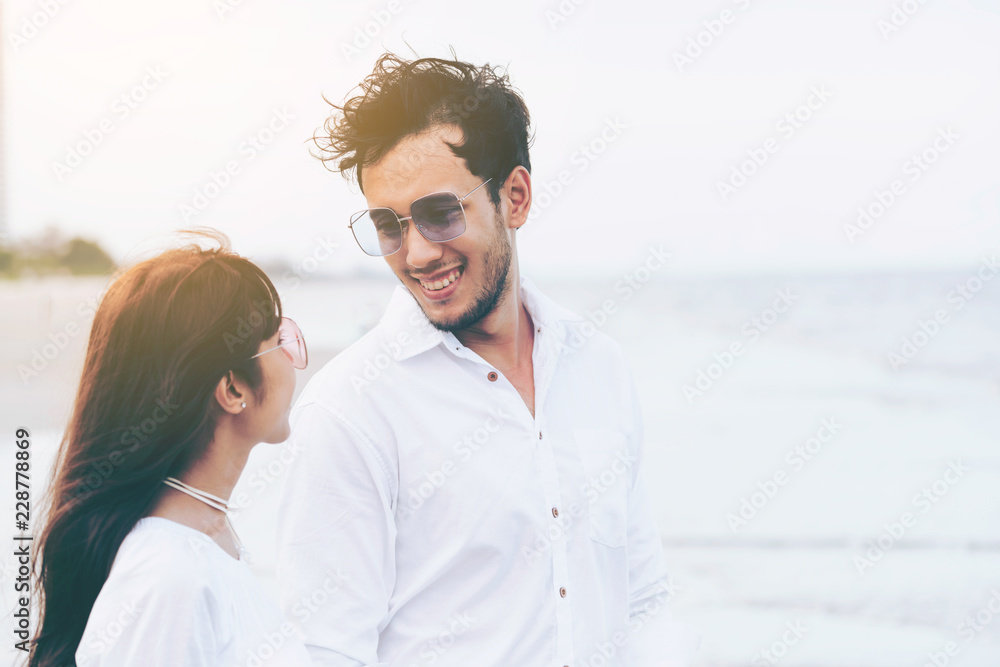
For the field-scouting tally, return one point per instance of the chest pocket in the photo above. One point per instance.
(607, 472)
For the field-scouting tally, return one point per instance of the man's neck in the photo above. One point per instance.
(505, 337)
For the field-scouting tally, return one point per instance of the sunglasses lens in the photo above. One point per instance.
(439, 216)
(377, 231)
(291, 341)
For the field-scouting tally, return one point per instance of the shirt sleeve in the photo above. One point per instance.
(162, 619)
(336, 539)
(652, 637)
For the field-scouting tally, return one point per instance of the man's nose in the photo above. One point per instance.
(419, 251)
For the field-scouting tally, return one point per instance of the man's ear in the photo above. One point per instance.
(231, 393)
(518, 190)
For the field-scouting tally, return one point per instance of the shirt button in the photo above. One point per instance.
(562, 592)
(555, 512)
(539, 435)
(492, 375)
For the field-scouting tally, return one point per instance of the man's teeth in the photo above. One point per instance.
(444, 282)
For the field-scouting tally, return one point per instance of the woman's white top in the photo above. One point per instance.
(176, 598)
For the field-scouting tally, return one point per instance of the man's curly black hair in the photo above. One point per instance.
(400, 98)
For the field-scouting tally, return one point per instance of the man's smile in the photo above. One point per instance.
(440, 285)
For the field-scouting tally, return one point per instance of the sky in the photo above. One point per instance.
(740, 136)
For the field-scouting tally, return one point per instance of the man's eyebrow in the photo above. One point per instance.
(432, 192)
(441, 191)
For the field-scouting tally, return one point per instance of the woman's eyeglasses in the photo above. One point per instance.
(291, 342)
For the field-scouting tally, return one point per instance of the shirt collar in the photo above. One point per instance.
(405, 323)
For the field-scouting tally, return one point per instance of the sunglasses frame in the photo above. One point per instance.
(399, 221)
(302, 338)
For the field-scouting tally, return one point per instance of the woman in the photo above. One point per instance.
(190, 364)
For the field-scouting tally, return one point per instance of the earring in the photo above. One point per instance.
(243, 405)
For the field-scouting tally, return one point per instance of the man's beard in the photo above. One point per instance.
(495, 287)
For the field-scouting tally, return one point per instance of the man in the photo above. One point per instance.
(466, 485)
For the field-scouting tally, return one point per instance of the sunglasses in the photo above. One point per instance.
(291, 342)
(439, 217)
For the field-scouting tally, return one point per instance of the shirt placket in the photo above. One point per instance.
(544, 357)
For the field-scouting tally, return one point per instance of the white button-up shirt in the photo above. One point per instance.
(429, 518)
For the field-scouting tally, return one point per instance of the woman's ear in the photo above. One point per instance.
(231, 393)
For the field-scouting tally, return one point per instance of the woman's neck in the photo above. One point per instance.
(216, 473)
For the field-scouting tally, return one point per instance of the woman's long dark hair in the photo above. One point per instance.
(166, 332)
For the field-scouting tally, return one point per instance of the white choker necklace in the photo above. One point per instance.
(214, 502)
